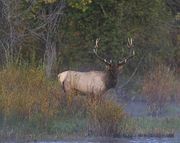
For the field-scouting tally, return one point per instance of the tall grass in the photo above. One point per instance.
(105, 118)
(177, 88)
(159, 87)
(32, 104)
(25, 94)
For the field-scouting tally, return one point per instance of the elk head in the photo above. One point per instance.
(113, 68)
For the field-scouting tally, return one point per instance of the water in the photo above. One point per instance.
(175, 139)
(154, 140)
(118, 140)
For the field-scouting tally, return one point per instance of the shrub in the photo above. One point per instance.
(105, 118)
(158, 87)
(24, 93)
(26, 97)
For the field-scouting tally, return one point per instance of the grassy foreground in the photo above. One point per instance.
(34, 108)
(77, 128)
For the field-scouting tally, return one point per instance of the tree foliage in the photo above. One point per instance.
(72, 26)
(115, 21)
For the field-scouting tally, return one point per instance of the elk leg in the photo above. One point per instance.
(63, 87)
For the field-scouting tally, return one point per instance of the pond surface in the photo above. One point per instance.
(118, 140)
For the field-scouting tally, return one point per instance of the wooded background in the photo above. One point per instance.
(60, 34)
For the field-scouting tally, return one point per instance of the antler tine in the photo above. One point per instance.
(97, 41)
(129, 45)
(124, 61)
(96, 54)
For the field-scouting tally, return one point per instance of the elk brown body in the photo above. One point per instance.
(86, 82)
(92, 82)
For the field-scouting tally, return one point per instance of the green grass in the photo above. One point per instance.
(55, 129)
(148, 123)
(150, 126)
(77, 127)
(68, 126)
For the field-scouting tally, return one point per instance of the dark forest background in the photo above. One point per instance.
(58, 34)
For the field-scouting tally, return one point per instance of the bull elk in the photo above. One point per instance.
(94, 82)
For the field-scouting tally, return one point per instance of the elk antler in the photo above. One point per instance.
(130, 46)
(96, 54)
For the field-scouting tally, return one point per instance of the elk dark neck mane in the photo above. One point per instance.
(110, 79)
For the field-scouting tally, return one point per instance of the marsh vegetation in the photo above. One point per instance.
(33, 107)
